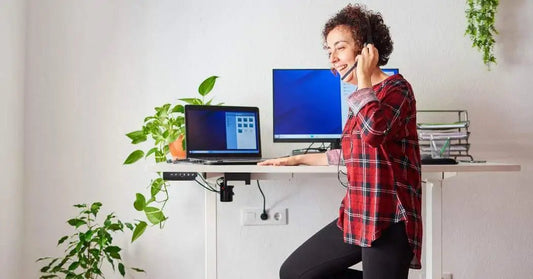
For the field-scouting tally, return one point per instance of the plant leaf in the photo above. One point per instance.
(115, 255)
(207, 85)
(140, 202)
(112, 249)
(61, 240)
(137, 136)
(75, 222)
(121, 269)
(73, 266)
(172, 137)
(138, 269)
(96, 270)
(60, 265)
(47, 267)
(153, 150)
(95, 253)
(115, 227)
(156, 186)
(134, 157)
(154, 215)
(178, 108)
(192, 101)
(95, 207)
(139, 230)
(129, 226)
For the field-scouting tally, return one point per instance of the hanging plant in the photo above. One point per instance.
(480, 28)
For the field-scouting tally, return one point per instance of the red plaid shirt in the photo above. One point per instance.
(382, 158)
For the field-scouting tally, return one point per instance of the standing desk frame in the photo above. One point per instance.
(433, 177)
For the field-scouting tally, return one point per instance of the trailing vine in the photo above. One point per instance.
(480, 15)
(162, 129)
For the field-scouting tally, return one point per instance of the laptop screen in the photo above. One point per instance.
(222, 131)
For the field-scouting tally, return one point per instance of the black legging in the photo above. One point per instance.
(325, 255)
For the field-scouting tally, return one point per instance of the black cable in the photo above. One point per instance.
(206, 184)
(309, 147)
(219, 181)
(264, 215)
(205, 187)
(345, 185)
(339, 171)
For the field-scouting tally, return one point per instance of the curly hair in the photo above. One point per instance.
(358, 19)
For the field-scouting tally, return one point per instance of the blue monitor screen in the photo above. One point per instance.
(310, 104)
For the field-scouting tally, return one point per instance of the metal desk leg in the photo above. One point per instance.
(433, 229)
(210, 235)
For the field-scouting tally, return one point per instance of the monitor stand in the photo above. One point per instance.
(335, 144)
(308, 151)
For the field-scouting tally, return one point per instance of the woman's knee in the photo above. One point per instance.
(296, 268)
(289, 270)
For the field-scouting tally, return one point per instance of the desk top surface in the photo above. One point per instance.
(188, 167)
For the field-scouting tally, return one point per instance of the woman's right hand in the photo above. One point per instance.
(283, 161)
(315, 159)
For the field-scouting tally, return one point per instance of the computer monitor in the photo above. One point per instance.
(309, 105)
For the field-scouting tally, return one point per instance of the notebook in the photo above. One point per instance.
(222, 135)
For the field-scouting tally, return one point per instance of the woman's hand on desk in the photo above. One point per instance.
(315, 159)
(283, 161)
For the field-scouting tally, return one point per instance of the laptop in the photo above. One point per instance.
(222, 135)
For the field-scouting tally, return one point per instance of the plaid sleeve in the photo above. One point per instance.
(360, 98)
(378, 116)
(334, 157)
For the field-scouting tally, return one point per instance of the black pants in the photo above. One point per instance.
(325, 255)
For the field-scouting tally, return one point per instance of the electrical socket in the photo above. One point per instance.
(252, 217)
(447, 276)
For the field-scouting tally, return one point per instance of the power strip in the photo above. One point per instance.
(179, 176)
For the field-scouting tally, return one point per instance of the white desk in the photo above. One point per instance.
(432, 175)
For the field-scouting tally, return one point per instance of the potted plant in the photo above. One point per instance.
(88, 247)
(166, 128)
(480, 15)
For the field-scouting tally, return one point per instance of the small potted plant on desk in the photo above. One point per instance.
(167, 129)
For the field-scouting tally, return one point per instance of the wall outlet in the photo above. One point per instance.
(252, 217)
(447, 276)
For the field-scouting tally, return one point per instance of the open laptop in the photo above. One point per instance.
(222, 135)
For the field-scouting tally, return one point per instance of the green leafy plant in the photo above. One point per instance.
(88, 247)
(164, 127)
(480, 15)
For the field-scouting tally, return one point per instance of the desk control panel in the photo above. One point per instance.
(180, 176)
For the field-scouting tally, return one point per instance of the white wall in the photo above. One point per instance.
(12, 48)
(96, 68)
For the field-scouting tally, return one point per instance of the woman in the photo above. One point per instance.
(380, 216)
